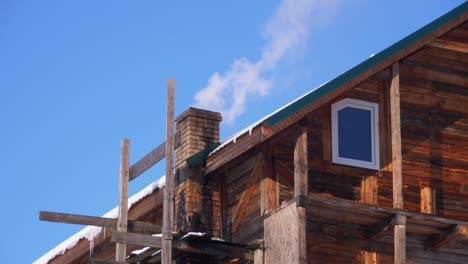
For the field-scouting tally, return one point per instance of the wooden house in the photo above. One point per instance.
(371, 167)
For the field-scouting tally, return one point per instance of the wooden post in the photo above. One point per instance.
(396, 137)
(168, 201)
(400, 240)
(400, 228)
(428, 199)
(300, 163)
(301, 187)
(122, 219)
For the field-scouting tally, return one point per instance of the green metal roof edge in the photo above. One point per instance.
(367, 64)
(198, 158)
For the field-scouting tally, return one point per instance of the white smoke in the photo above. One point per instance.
(285, 31)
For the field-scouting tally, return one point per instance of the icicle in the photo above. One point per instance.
(91, 247)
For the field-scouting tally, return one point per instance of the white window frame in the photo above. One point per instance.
(374, 164)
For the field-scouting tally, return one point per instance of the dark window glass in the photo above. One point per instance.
(354, 134)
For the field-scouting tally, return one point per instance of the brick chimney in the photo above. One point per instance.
(197, 198)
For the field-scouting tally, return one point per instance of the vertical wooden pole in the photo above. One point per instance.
(301, 168)
(400, 228)
(301, 187)
(396, 137)
(168, 201)
(400, 240)
(122, 219)
(428, 199)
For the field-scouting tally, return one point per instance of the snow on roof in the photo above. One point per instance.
(90, 232)
(233, 138)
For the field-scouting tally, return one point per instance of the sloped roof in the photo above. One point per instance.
(425, 33)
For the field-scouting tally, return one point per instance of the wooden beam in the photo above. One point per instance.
(168, 202)
(97, 221)
(396, 137)
(320, 201)
(148, 161)
(376, 230)
(450, 45)
(122, 219)
(211, 248)
(444, 238)
(215, 249)
(247, 194)
(136, 239)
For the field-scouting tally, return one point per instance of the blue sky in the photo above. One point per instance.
(77, 76)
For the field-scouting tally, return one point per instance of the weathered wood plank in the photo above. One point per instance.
(396, 137)
(211, 248)
(122, 219)
(434, 75)
(215, 249)
(301, 235)
(168, 201)
(97, 221)
(136, 239)
(369, 188)
(301, 167)
(247, 194)
(301, 189)
(428, 199)
(148, 161)
(450, 45)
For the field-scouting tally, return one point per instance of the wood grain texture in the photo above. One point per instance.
(280, 232)
(148, 161)
(98, 221)
(396, 137)
(168, 202)
(122, 219)
(450, 45)
(300, 163)
(428, 199)
(400, 240)
(247, 194)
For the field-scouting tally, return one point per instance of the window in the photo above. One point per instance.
(355, 133)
